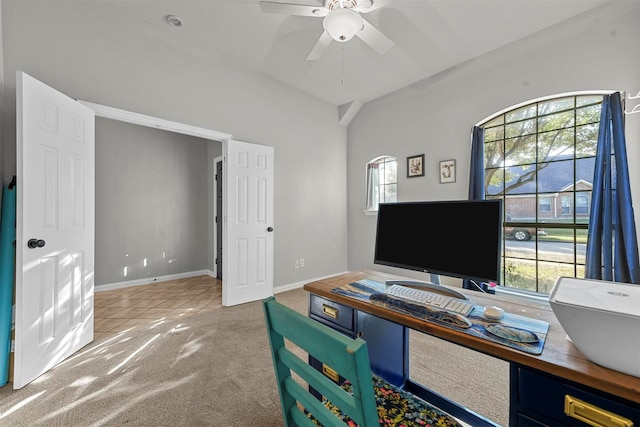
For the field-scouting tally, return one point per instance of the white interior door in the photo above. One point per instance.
(248, 222)
(54, 228)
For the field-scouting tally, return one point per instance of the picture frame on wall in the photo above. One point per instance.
(415, 166)
(447, 171)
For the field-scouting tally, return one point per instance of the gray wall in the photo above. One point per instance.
(80, 49)
(152, 203)
(596, 51)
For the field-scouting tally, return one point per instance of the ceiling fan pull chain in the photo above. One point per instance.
(342, 65)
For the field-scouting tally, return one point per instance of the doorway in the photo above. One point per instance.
(248, 170)
(214, 240)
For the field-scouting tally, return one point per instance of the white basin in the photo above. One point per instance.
(602, 319)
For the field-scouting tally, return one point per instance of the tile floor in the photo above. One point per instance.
(122, 309)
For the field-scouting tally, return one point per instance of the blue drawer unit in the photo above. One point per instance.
(388, 342)
(541, 399)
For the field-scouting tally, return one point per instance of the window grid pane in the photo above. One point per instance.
(541, 163)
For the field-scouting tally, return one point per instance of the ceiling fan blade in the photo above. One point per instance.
(374, 38)
(293, 9)
(321, 45)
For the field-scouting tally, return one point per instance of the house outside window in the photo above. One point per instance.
(566, 205)
(582, 203)
(539, 159)
(382, 182)
(545, 204)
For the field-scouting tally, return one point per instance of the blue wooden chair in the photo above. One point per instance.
(361, 398)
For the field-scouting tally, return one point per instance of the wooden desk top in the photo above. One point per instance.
(559, 356)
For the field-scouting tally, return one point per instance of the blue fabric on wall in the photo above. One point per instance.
(612, 244)
(7, 274)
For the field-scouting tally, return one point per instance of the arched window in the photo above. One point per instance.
(382, 182)
(539, 159)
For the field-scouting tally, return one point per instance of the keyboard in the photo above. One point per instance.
(430, 299)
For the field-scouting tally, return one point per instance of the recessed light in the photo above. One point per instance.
(174, 21)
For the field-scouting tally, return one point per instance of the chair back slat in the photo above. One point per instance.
(298, 418)
(346, 356)
(311, 404)
(337, 395)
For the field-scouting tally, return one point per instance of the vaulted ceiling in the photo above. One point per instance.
(429, 36)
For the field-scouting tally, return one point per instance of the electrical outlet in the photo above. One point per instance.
(296, 263)
(301, 262)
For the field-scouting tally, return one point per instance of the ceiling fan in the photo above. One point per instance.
(342, 21)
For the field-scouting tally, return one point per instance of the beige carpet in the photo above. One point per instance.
(215, 369)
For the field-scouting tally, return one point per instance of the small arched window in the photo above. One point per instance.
(382, 182)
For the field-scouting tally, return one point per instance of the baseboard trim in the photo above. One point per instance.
(149, 280)
(297, 285)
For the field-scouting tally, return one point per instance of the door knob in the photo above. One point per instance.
(270, 229)
(35, 243)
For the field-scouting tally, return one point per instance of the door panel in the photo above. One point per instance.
(248, 222)
(54, 228)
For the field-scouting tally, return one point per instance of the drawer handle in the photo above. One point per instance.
(330, 311)
(333, 375)
(593, 415)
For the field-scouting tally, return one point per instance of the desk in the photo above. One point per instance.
(538, 383)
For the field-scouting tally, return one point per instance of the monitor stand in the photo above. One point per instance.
(428, 286)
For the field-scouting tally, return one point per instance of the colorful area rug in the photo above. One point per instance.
(518, 332)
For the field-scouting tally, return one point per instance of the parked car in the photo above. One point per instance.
(522, 233)
(519, 233)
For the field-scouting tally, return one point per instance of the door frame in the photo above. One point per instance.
(166, 125)
(217, 223)
(154, 122)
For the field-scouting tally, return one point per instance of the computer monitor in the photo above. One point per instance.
(461, 238)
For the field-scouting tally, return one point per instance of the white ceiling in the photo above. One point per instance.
(429, 37)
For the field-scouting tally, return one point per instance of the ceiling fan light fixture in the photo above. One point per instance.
(342, 24)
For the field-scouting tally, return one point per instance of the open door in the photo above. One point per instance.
(54, 228)
(248, 222)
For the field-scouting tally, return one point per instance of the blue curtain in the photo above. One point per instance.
(476, 181)
(612, 244)
(476, 189)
